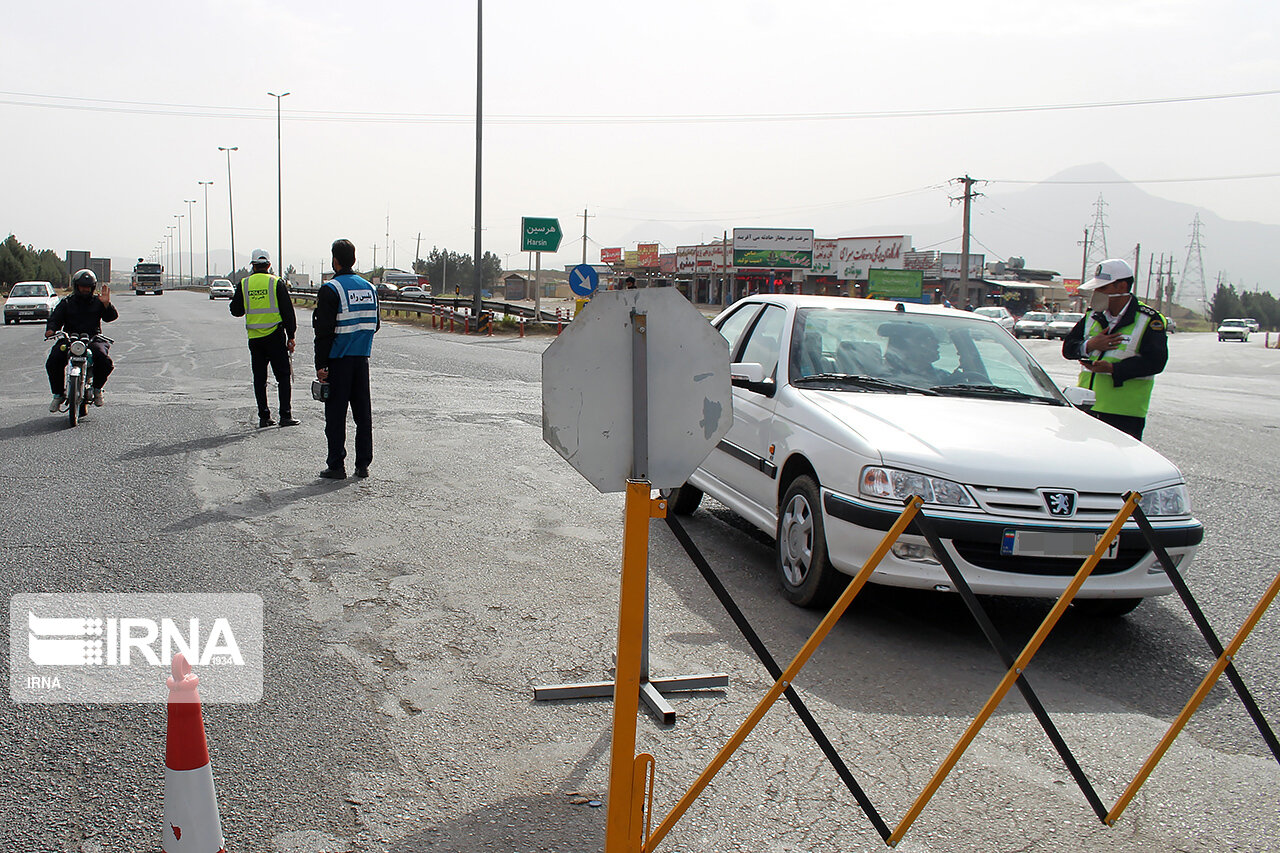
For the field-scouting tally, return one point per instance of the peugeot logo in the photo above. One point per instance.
(1061, 504)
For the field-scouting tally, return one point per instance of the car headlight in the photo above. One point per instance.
(1171, 500)
(892, 484)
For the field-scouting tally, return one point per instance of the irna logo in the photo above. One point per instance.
(61, 641)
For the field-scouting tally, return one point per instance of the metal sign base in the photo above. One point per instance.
(651, 690)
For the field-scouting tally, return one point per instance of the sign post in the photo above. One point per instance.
(539, 234)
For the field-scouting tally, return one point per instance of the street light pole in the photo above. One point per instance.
(231, 208)
(178, 216)
(279, 192)
(191, 242)
(206, 184)
(169, 253)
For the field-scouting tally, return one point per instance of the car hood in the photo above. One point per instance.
(996, 442)
(28, 301)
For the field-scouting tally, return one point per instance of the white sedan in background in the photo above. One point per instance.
(1062, 324)
(1031, 324)
(998, 313)
(842, 408)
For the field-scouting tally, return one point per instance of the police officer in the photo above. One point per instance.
(263, 301)
(1121, 345)
(345, 319)
(83, 312)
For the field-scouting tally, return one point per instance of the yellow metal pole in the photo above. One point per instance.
(780, 686)
(1020, 664)
(622, 831)
(1202, 691)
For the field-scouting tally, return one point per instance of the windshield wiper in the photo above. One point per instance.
(861, 381)
(992, 391)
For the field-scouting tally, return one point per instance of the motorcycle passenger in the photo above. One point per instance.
(82, 312)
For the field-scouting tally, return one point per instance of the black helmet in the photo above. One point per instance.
(84, 277)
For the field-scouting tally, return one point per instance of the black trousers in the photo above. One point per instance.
(56, 366)
(273, 350)
(1131, 424)
(349, 388)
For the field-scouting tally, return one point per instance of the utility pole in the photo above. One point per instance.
(968, 197)
(1137, 256)
(1151, 262)
(477, 307)
(724, 273)
(375, 259)
(417, 250)
(584, 234)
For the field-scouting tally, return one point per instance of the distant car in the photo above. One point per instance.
(998, 313)
(413, 292)
(1031, 324)
(1234, 330)
(1061, 324)
(1170, 325)
(30, 300)
(388, 291)
(220, 288)
(1253, 324)
(844, 407)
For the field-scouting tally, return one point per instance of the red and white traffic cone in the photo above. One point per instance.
(191, 820)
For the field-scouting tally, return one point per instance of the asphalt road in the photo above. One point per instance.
(409, 615)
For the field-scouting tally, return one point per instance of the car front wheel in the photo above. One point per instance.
(808, 578)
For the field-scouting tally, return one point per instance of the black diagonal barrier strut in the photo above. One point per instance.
(757, 645)
(925, 526)
(1197, 616)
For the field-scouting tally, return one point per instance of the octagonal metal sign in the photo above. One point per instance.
(587, 388)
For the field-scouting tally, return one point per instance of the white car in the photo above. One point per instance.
(1031, 324)
(844, 407)
(30, 300)
(998, 313)
(1253, 324)
(412, 292)
(1234, 330)
(220, 288)
(1062, 324)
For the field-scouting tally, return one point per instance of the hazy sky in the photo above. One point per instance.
(112, 112)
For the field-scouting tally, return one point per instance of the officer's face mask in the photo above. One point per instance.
(1098, 301)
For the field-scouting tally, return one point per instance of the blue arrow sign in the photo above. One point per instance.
(583, 279)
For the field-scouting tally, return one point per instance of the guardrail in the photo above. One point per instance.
(460, 307)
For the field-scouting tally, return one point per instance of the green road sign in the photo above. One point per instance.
(540, 234)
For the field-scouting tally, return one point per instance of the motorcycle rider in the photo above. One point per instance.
(82, 312)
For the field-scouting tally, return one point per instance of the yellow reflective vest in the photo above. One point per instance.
(261, 308)
(1133, 395)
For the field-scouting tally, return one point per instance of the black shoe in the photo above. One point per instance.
(265, 422)
(334, 473)
(362, 470)
(289, 420)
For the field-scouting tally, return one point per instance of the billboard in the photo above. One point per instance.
(895, 284)
(76, 261)
(711, 258)
(647, 254)
(667, 263)
(773, 247)
(951, 265)
(611, 256)
(856, 256)
(630, 260)
(686, 259)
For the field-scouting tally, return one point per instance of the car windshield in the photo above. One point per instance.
(1067, 318)
(28, 290)
(1034, 317)
(1234, 323)
(930, 352)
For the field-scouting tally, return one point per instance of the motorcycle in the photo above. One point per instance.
(79, 369)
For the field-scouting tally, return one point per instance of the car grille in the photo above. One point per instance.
(988, 556)
(1029, 504)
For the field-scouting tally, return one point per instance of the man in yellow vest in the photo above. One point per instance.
(1121, 345)
(263, 301)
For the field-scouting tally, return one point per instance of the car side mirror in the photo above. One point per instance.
(1081, 398)
(751, 377)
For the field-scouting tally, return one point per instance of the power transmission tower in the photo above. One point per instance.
(1193, 271)
(1096, 251)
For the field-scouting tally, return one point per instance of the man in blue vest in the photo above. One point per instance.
(345, 319)
(1121, 345)
(263, 301)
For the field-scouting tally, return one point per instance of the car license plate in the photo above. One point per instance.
(1052, 543)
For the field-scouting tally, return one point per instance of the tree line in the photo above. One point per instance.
(27, 263)
(448, 270)
(1227, 304)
